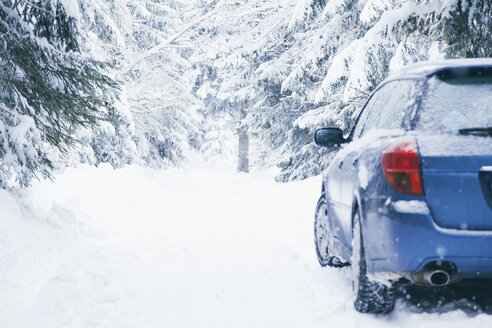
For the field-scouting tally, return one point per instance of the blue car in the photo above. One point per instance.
(408, 196)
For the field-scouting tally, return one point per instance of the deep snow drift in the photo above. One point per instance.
(139, 248)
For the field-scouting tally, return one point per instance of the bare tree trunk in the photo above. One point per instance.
(243, 151)
(243, 146)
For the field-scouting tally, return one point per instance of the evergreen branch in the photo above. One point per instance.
(167, 42)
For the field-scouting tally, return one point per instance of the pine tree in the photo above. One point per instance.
(468, 29)
(283, 69)
(232, 46)
(105, 27)
(47, 87)
(159, 91)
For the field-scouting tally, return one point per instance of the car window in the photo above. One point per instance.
(363, 116)
(455, 104)
(389, 106)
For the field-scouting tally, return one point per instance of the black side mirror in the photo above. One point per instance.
(329, 137)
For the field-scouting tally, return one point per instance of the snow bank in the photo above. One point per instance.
(179, 248)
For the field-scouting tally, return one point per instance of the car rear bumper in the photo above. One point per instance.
(403, 243)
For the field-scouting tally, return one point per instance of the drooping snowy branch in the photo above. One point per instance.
(169, 41)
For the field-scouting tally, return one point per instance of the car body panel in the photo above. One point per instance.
(455, 197)
(332, 186)
(406, 244)
(450, 170)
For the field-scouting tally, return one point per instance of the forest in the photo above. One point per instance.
(165, 83)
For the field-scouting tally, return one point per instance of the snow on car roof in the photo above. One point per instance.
(427, 68)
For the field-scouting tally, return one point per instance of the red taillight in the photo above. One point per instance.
(401, 164)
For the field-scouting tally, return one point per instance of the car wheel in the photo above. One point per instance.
(369, 296)
(323, 236)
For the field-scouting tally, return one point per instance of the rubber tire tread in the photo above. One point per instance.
(372, 297)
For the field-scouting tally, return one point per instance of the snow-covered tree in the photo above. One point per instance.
(467, 29)
(192, 74)
(159, 91)
(232, 45)
(283, 69)
(104, 28)
(48, 88)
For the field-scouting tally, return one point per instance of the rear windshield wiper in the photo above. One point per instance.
(481, 132)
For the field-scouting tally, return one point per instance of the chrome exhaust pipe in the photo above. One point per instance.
(436, 273)
(437, 277)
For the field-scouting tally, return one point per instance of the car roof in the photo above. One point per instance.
(430, 68)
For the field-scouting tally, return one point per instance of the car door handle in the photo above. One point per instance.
(340, 164)
(354, 163)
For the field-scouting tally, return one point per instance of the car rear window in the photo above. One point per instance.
(457, 103)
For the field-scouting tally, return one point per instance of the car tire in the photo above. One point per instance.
(323, 235)
(369, 296)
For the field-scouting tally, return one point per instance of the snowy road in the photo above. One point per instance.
(139, 248)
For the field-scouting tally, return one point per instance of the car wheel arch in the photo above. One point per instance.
(356, 208)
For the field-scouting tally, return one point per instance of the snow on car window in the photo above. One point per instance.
(390, 105)
(455, 104)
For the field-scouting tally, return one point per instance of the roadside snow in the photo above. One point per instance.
(139, 248)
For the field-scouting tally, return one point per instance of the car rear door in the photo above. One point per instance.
(387, 111)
